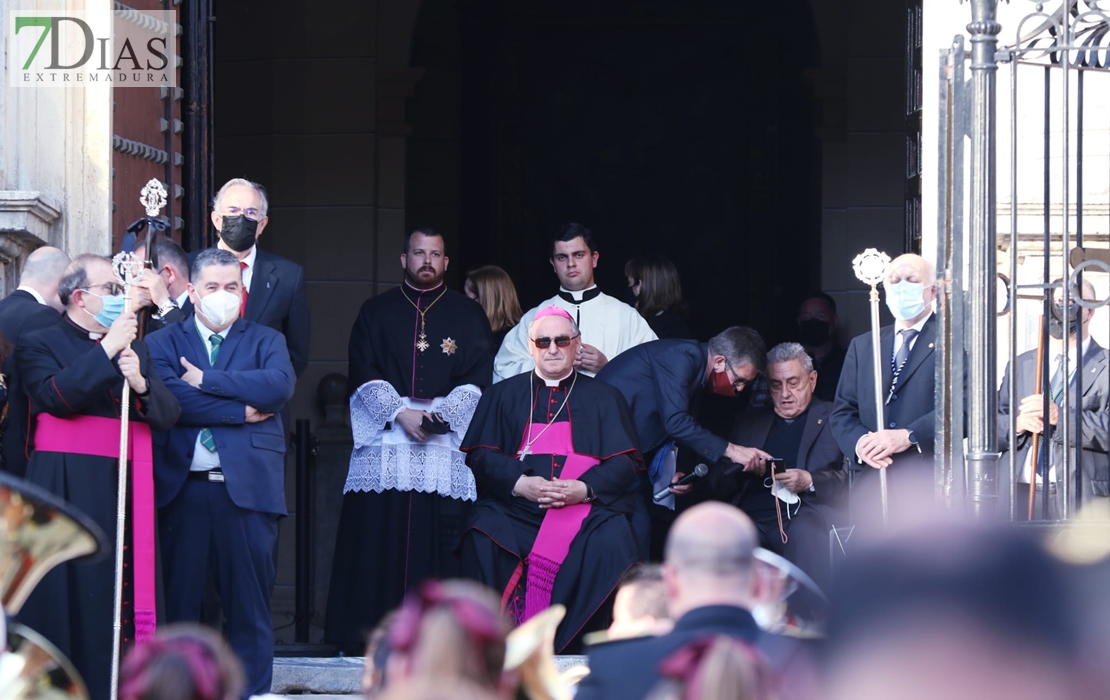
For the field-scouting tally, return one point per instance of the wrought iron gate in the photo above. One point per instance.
(1049, 221)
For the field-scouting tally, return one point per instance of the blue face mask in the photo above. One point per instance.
(905, 300)
(113, 307)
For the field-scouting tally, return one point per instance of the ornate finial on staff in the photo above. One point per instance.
(870, 267)
(153, 197)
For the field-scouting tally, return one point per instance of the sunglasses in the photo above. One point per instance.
(561, 341)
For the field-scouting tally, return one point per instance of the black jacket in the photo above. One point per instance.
(661, 381)
(20, 313)
(628, 669)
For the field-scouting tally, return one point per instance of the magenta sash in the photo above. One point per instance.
(560, 525)
(99, 437)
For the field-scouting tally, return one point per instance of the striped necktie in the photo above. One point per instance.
(206, 437)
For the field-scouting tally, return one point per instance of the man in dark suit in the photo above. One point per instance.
(903, 444)
(811, 477)
(1092, 430)
(166, 288)
(662, 381)
(710, 585)
(219, 473)
(274, 288)
(33, 305)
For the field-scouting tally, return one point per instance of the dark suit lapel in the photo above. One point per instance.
(886, 352)
(815, 421)
(194, 341)
(263, 281)
(752, 429)
(922, 349)
(1094, 364)
(231, 341)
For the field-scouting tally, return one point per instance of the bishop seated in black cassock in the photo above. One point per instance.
(555, 460)
(74, 372)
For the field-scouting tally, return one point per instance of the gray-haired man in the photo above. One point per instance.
(809, 482)
(274, 288)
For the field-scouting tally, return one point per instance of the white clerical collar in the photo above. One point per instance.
(555, 382)
(34, 293)
(577, 296)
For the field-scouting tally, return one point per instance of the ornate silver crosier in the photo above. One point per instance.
(870, 267)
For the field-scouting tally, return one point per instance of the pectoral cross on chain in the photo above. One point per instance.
(525, 452)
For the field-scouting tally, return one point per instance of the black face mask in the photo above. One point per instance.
(813, 331)
(1056, 326)
(238, 232)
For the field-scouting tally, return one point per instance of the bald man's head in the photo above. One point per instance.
(42, 271)
(709, 558)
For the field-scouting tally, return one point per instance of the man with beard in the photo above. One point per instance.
(419, 357)
(1092, 429)
(554, 455)
(73, 372)
(608, 325)
(273, 287)
(903, 444)
(817, 321)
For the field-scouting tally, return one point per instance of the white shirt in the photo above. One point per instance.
(898, 337)
(1027, 468)
(34, 293)
(608, 324)
(203, 460)
(248, 271)
(180, 301)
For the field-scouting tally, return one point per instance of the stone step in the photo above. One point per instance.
(306, 677)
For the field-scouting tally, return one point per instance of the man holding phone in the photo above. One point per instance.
(795, 502)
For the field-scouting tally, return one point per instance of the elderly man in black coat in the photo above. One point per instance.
(810, 482)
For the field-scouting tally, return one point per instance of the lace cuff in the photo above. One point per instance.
(373, 405)
(458, 408)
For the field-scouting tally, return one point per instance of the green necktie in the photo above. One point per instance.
(206, 437)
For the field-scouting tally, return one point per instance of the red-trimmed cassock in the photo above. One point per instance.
(576, 555)
(75, 392)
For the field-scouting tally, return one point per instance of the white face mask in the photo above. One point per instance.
(220, 307)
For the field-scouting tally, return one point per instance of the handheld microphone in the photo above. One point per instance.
(699, 471)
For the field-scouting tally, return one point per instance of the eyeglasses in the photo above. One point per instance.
(739, 383)
(545, 342)
(251, 213)
(111, 287)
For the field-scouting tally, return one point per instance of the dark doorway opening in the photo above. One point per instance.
(684, 130)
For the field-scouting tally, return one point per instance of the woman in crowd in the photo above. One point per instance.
(655, 284)
(715, 668)
(492, 287)
(182, 662)
(450, 631)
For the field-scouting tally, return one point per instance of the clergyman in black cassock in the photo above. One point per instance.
(510, 536)
(75, 390)
(416, 351)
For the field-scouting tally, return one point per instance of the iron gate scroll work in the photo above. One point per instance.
(1056, 159)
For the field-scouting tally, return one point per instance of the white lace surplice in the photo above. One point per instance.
(388, 459)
